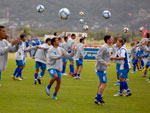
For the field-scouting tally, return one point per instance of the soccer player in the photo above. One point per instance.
(124, 67)
(20, 58)
(64, 46)
(102, 63)
(133, 53)
(114, 52)
(70, 44)
(5, 47)
(54, 66)
(41, 58)
(79, 55)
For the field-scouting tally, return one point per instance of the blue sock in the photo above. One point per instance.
(78, 75)
(142, 63)
(70, 68)
(134, 67)
(42, 74)
(55, 94)
(145, 73)
(35, 76)
(64, 68)
(18, 74)
(121, 87)
(49, 86)
(126, 86)
(75, 74)
(16, 71)
(99, 96)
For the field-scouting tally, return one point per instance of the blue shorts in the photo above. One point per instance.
(147, 63)
(139, 53)
(40, 64)
(20, 62)
(79, 62)
(52, 72)
(123, 73)
(117, 68)
(64, 60)
(102, 76)
(134, 61)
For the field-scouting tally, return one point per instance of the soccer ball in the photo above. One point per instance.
(81, 21)
(64, 13)
(85, 27)
(106, 14)
(141, 29)
(81, 13)
(40, 8)
(125, 29)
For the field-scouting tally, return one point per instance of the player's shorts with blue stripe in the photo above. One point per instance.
(52, 72)
(20, 62)
(148, 63)
(64, 60)
(40, 65)
(79, 62)
(117, 68)
(102, 76)
(123, 73)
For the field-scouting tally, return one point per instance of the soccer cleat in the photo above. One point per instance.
(47, 91)
(75, 77)
(18, 78)
(118, 94)
(13, 77)
(98, 102)
(117, 84)
(133, 72)
(55, 98)
(144, 76)
(39, 81)
(79, 78)
(128, 94)
(65, 74)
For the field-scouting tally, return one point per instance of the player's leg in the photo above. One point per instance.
(54, 76)
(117, 73)
(71, 66)
(64, 66)
(76, 72)
(37, 66)
(80, 69)
(43, 67)
(58, 82)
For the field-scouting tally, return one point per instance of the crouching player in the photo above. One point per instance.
(124, 67)
(79, 58)
(54, 66)
(102, 63)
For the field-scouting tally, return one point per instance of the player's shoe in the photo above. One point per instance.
(128, 94)
(133, 72)
(144, 76)
(65, 74)
(35, 82)
(75, 77)
(118, 94)
(55, 98)
(47, 91)
(79, 78)
(18, 78)
(98, 102)
(117, 84)
(39, 81)
(13, 77)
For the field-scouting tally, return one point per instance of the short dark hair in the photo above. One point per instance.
(66, 37)
(53, 40)
(48, 39)
(147, 35)
(121, 40)
(73, 35)
(59, 38)
(106, 37)
(55, 33)
(22, 36)
(81, 39)
(2, 27)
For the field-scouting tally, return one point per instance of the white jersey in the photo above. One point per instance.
(70, 44)
(20, 54)
(79, 51)
(5, 47)
(114, 49)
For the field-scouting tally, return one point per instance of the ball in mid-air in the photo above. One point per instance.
(40, 8)
(106, 14)
(85, 27)
(64, 13)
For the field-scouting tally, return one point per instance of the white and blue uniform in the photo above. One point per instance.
(124, 65)
(20, 54)
(70, 44)
(79, 54)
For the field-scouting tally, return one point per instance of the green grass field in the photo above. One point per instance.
(75, 96)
